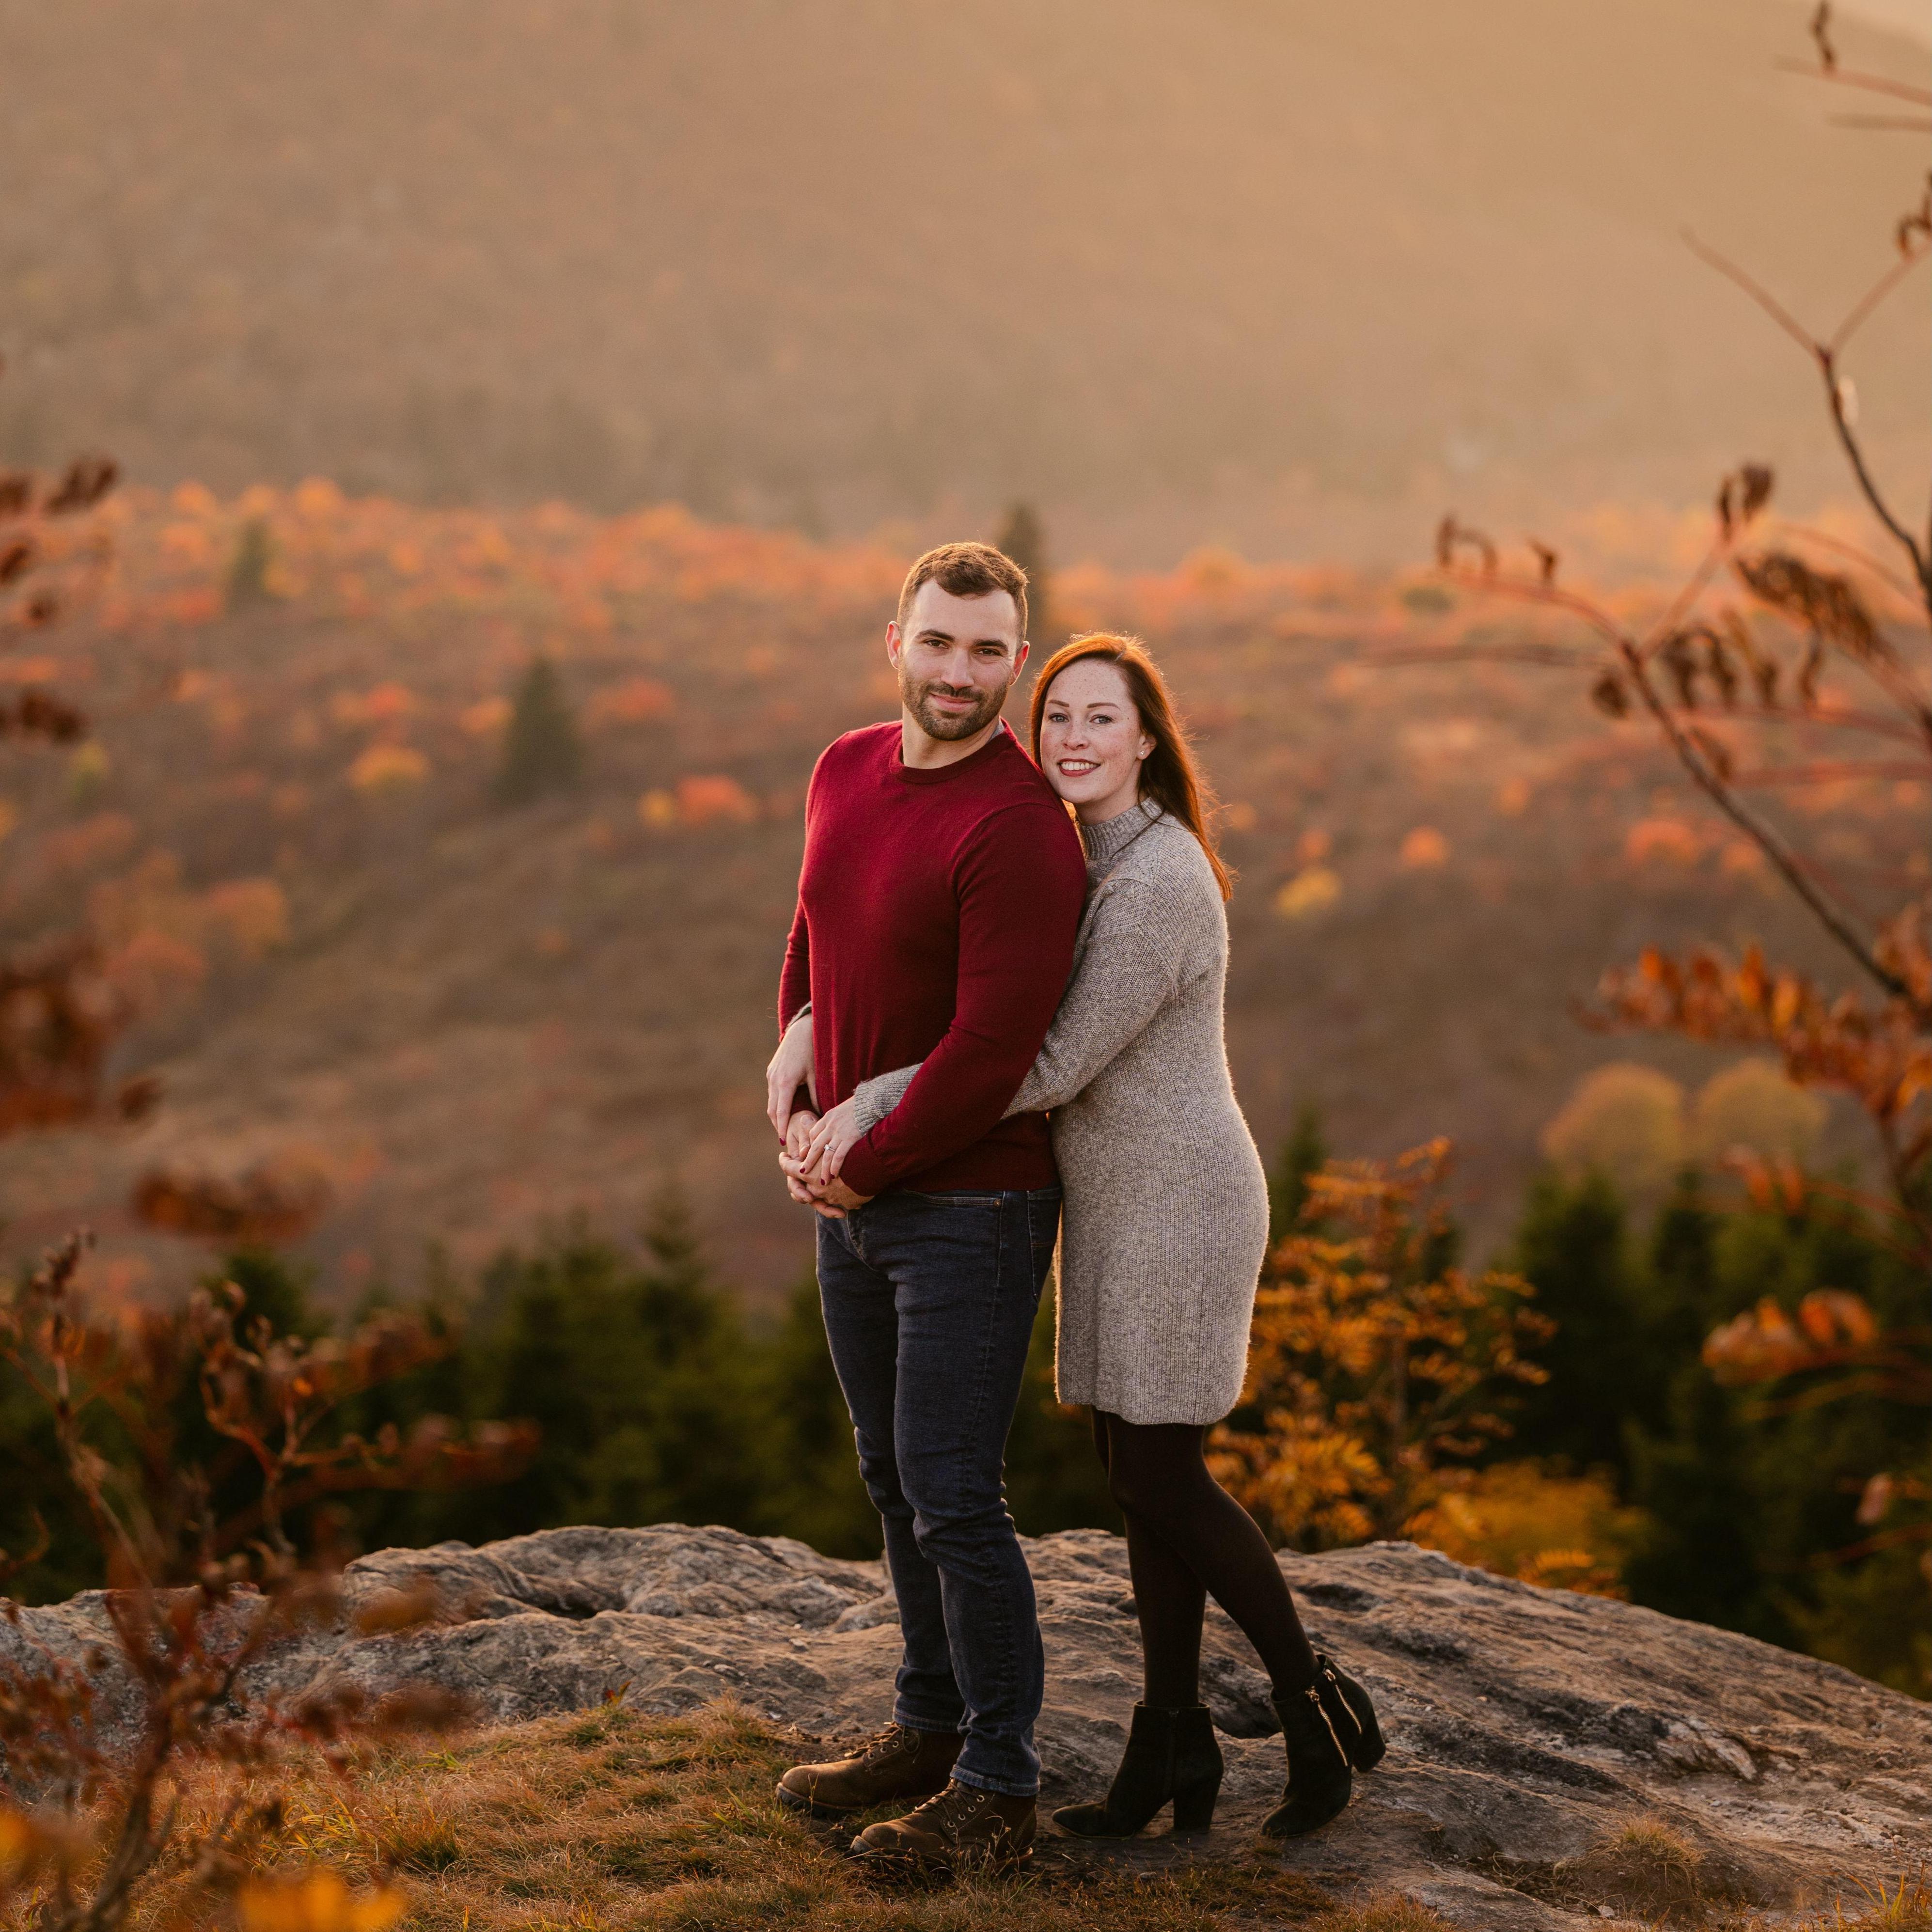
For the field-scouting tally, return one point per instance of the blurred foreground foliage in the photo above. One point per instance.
(1632, 1468)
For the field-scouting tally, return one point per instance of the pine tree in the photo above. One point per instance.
(1303, 1153)
(248, 573)
(818, 1496)
(1023, 537)
(1605, 1371)
(543, 752)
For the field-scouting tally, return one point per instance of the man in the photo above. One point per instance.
(937, 905)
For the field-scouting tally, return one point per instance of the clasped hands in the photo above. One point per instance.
(815, 1145)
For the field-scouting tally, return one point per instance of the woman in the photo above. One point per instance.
(1165, 1223)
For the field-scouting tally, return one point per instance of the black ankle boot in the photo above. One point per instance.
(1170, 1754)
(1351, 1711)
(1318, 1783)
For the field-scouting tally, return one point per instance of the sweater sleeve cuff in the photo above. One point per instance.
(873, 1100)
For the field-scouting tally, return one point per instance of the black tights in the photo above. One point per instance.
(1187, 1539)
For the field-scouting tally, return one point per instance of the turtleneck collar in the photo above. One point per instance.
(1112, 836)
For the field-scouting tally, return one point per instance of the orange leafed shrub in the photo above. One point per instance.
(386, 768)
(269, 1203)
(1668, 839)
(1424, 849)
(701, 800)
(383, 705)
(253, 912)
(487, 715)
(99, 841)
(59, 1015)
(1312, 890)
(1565, 1531)
(1376, 1366)
(153, 967)
(636, 701)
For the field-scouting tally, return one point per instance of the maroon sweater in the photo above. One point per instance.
(936, 915)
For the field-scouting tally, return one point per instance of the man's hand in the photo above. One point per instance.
(798, 1130)
(791, 1068)
(836, 1194)
(830, 1140)
(832, 1200)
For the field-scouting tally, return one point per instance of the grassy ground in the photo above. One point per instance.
(611, 1821)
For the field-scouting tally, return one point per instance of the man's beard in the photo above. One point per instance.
(950, 726)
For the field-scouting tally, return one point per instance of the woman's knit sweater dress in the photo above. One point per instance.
(1166, 1215)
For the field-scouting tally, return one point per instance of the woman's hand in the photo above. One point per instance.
(790, 1067)
(791, 1160)
(830, 1142)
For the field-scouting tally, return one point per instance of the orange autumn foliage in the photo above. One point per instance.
(1377, 1368)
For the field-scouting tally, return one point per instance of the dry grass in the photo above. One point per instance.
(611, 1821)
(1906, 1907)
(1643, 1866)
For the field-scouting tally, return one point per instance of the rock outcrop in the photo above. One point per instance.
(1552, 1756)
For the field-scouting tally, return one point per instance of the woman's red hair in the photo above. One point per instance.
(1169, 775)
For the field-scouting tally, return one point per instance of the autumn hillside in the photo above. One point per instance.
(462, 1019)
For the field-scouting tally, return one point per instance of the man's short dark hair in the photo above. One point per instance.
(967, 570)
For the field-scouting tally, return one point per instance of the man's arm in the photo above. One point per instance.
(1020, 883)
(795, 979)
(1130, 971)
(789, 1082)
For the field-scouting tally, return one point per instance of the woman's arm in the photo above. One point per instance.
(1128, 973)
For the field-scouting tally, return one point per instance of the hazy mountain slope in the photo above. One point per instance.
(1168, 266)
(472, 1021)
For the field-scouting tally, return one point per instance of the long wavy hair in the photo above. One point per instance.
(1168, 774)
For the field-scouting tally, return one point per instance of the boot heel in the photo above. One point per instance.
(1194, 1806)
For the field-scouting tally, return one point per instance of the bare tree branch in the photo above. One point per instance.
(1869, 83)
(1856, 319)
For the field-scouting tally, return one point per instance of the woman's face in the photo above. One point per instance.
(1091, 743)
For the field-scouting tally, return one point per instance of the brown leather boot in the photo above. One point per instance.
(963, 1826)
(895, 1763)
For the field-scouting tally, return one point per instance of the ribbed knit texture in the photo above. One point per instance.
(1166, 1222)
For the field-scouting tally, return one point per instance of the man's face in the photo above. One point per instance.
(956, 659)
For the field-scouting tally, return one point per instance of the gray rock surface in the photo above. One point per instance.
(1527, 1727)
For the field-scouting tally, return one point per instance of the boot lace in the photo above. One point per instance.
(951, 1810)
(882, 1746)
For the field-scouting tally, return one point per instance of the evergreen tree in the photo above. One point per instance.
(817, 1496)
(248, 570)
(1304, 1153)
(1603, 1365)
(1023, 537)
(1749, 1496)
(1053, 1479)
(543, 752)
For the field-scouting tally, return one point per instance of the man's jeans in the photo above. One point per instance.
(929, 1302)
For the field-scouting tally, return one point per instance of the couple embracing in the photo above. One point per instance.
(1000, 1032)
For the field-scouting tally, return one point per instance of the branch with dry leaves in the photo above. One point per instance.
(58, 1016)
(1708, 673)
(1706, 676)
(197, 1595)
